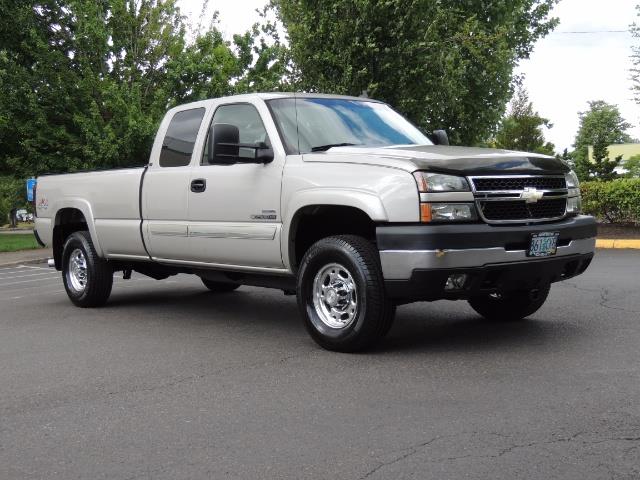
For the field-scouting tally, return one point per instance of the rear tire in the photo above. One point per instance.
(341, 294)
(510, 306)
(219, 287)
(87, 278)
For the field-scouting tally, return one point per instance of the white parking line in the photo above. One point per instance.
(120, 284)
(29, 281)
(27, 275)
(4, 271)
(40, 293)
(44, 282)
(37, 268)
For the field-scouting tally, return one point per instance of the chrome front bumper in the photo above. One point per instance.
(400, 264)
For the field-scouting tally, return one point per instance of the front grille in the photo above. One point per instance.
(520, 198)
(515, 210)
(519, 183)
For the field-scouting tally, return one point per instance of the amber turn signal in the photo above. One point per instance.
(425, 212)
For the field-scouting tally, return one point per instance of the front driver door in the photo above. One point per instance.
(234, 216)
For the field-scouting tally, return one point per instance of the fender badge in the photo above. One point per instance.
(266, 215)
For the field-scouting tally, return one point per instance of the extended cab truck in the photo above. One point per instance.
(337, 199)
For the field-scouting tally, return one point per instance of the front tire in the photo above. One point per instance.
(87, 278)
(510, 306)
(341, 294)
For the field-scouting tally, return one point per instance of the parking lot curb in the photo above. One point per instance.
(618, 243)
(25, 257)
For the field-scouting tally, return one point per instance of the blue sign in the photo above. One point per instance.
(30, 184)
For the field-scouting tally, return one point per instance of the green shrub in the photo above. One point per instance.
(615, 201)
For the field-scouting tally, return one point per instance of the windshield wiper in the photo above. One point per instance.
(324, 148)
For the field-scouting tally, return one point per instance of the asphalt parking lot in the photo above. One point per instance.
(170, 381)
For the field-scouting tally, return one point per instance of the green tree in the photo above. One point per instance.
(567, 157)
(443, 64)
(265, 61)
(12, 195)
(602, 168)
(38, 97)
(632, 166)
(600, 126)
(84, 83)
(521, 128)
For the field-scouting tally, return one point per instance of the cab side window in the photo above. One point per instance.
(180, 138)
(250, 127)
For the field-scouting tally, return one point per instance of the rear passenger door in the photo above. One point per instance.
(166, 186)
(234, 219)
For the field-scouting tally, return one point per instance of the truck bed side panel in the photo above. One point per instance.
(109, 201)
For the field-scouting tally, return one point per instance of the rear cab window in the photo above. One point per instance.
(180, 139)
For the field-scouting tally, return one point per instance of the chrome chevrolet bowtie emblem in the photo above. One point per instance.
(531, 195)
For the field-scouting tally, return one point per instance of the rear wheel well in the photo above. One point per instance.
(316, 222)
(68, 221)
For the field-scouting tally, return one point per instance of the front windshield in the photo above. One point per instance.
(320, 123)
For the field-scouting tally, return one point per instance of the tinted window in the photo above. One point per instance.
(249, 124)
(180, 138)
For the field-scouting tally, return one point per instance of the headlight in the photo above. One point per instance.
(572, 180)
(574, 205)
(436, 182)
(447, 212)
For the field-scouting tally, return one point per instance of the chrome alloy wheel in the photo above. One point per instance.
(335, 296)
(77, 271)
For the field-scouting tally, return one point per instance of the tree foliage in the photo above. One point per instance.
(12, 195)
(84, 83)
(522, 128)
(567, 157)
(632, 166)
(600, 126)
(443, 64)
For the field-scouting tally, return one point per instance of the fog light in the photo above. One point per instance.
(456, 281)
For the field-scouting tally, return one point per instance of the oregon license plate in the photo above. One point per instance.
(543, 244)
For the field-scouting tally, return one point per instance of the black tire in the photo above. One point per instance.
(510, 306)
(373, 313)
(219, 287)
(98, 276)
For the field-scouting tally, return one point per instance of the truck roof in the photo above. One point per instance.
(274, 95)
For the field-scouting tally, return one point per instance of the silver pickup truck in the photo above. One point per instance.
(338, 200)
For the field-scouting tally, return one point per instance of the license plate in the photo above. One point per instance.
(543, 244)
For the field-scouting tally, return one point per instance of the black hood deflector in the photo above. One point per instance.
(482, 161)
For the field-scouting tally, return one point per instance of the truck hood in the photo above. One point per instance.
(445, 159)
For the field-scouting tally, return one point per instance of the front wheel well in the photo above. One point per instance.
(67, 221)
(315, 222)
